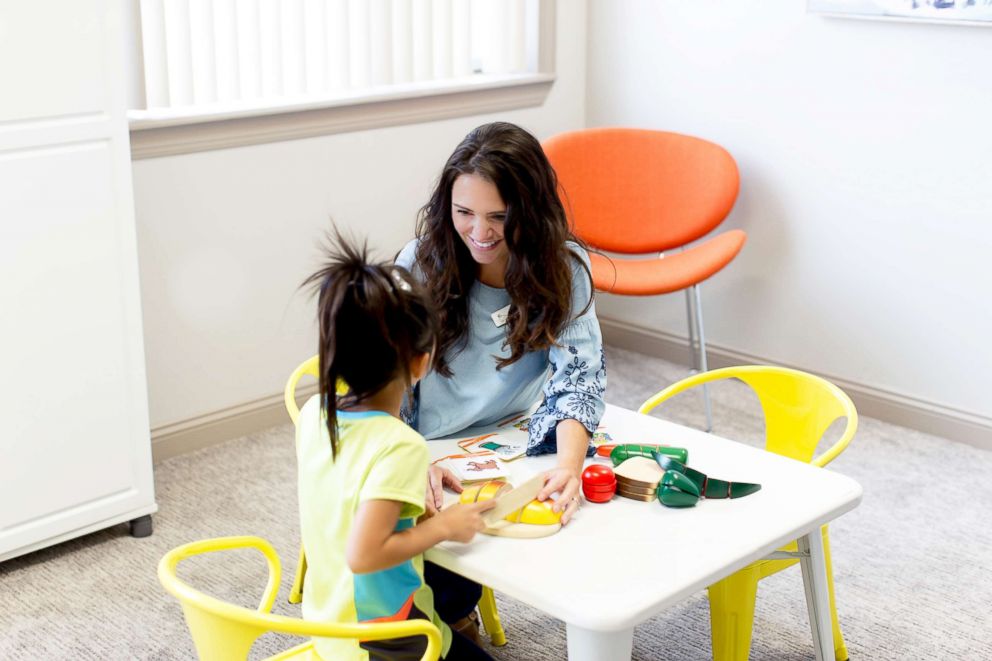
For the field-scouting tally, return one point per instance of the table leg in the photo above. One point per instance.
(814, 568)
(588, 645)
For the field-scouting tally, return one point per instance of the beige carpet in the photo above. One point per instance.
(913, 564)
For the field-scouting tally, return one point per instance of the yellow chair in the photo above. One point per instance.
(798, 409)
(487, 602)
(223, 631)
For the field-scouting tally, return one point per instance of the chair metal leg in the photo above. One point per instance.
(690, 317)
(296, 592)
(840, 648)
(814, 568)
(702, 355)
(490, 617)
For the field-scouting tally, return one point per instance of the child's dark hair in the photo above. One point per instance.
(375, 318)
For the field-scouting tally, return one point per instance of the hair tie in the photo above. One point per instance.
(399, 282)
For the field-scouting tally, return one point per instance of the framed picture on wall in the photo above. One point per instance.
(967, 12)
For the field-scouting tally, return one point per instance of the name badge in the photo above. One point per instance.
(499, 317)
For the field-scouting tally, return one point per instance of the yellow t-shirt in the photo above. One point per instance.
(378, 458)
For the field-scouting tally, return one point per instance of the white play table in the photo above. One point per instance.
(662, 555)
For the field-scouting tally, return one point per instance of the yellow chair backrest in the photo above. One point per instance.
(309, 367)
(223, 631)
(798, 408)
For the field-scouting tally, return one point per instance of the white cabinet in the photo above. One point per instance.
(75, 454)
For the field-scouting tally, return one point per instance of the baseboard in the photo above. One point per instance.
(893, 408)
(204, 431)
(219, 426)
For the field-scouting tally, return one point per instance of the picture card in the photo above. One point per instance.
(475, 467)
(601, 438)
(504, 448)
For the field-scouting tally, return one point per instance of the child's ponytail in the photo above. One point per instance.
(374, 320)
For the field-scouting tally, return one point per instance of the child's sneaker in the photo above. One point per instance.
(468, 626)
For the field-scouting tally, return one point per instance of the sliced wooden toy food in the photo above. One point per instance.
(535, 519)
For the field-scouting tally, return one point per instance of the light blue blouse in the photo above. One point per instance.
(570, 377)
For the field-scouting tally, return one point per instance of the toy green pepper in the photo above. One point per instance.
(677, 490)
(706, 486)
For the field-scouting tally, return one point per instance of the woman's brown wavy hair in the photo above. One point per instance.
(539, 270)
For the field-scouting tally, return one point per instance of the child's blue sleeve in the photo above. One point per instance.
(577, 383)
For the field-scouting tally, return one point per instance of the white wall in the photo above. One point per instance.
(226, 237)
(865, 152)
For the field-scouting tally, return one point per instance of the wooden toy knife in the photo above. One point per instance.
(514, 499)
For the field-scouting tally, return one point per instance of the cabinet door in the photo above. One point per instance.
(74, 440)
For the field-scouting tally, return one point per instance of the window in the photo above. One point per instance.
(217, 73)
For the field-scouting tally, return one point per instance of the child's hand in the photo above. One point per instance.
(463, 520)
(437, 479)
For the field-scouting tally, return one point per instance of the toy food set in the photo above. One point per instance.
(517, 512)
(641, 471)
(599, 483)
(649, 472)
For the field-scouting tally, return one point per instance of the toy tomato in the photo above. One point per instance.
(598, 475)
(598, 483)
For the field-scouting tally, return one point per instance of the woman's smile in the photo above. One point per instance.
(479, 216)
(484, 245)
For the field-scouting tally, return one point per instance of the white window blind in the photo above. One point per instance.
(223, 52)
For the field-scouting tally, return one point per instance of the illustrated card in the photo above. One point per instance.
(475, 467)
(506, 446)
(474, 444)
(601, 438)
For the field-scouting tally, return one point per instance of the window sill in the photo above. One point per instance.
(172, 131)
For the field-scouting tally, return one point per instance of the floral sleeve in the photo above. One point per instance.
(577, 383)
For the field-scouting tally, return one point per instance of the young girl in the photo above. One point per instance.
(514, 293)
(362, 471)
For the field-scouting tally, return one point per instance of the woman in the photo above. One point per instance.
(514, 294)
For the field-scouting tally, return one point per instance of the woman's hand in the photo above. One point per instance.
(565, 482)
(573, 439)
(437, 479)
(461, 521)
